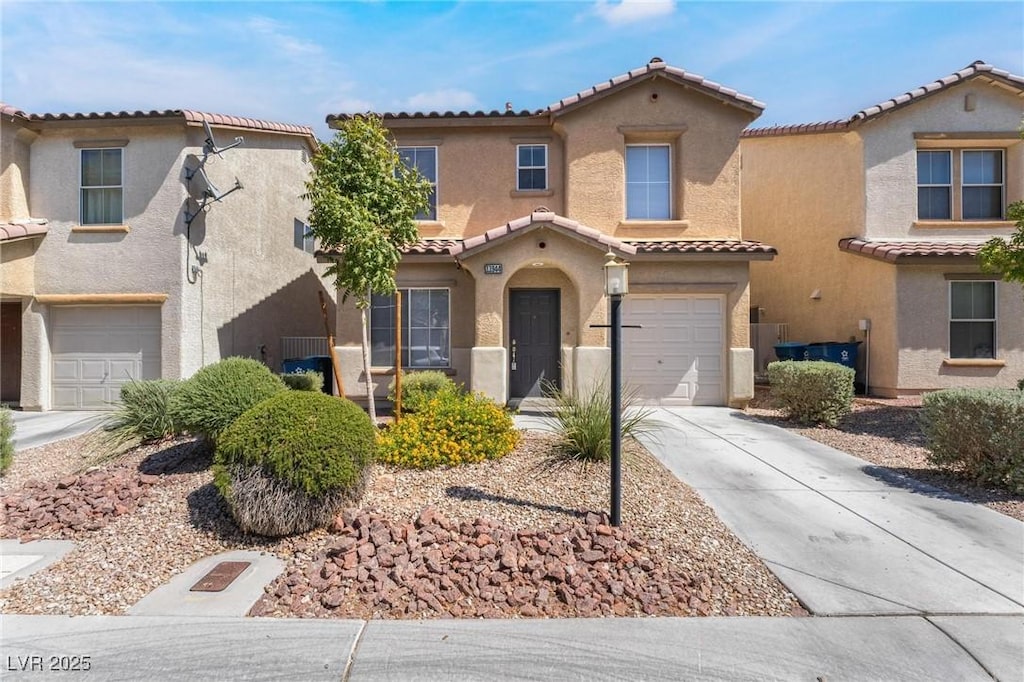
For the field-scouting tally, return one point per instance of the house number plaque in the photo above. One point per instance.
(492, 268)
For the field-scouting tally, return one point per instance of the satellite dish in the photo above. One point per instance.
(211, 144)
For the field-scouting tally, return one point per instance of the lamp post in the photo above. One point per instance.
(616, 285)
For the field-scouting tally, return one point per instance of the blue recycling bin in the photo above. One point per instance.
(843, 353)
(312, 363)
(816, 351)
(790, 350)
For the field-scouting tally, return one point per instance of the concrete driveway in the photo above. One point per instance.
(33, 429)
(848, 538)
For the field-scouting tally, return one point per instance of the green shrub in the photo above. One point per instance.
(290, 463)
(583, 423)
(979, 432)
(144, 413)
(217, 394)
(6, 439)
(420, 387)
(451, 428)
(812, 392)
(310, 380)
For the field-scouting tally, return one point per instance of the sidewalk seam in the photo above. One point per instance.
(843, 506)
(352, 652)
(962, 647)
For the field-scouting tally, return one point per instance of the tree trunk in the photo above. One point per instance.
(370, 406)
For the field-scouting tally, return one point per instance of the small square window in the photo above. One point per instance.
(532, 167)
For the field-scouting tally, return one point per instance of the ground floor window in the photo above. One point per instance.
(972, 319)
(426, 340)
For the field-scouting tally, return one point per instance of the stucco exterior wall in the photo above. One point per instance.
(890, 159)
(477, 176)
(704, 139)
(923, 293)
(14, 169)
(17, 268)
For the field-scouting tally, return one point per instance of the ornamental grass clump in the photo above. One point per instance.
(583, 422)
(978, 433)
(6, 439)
(292, 462)
(420, 387)
(450, 429)
(812, 392)
(144, 414)
(219, 393)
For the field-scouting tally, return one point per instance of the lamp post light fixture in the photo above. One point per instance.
(616, 285)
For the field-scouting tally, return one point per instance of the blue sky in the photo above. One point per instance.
(295, 62)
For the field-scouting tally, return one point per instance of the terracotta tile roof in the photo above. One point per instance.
(188, 115)
(429, 246)
(654, 68)
(22, 229)
(709, 246)
(542, 218)
(6, 110)
(900, 251)
(973, 70)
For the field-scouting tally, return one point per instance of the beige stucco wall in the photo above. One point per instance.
(923, 294)
(15, 161)
(17, 268)
(890, 158)
(703, 134)
(252, 287)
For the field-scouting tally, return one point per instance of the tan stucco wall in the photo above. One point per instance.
(14, 169)
(890, 158)
(703, 134)
(923, 294)
(17, 268)
(477, 177)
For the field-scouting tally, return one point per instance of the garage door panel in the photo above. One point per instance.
(96, 349)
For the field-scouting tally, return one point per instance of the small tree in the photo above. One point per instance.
(1007, 255)
(363, 204)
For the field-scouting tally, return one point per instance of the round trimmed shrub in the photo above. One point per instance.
(812, 392)
(419, 387)
(450, 429)
(292, 462)
(219, 393)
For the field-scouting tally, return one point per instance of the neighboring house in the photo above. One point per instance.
(879, 217)
(504, 291)
(119, 262)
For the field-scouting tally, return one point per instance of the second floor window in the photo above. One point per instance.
(102, 191)
(532, 166)
(966, 186)
(648, 182)
(423, 159)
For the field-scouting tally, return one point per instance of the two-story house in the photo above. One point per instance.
(505, 290)
(127, 251)
(878, 219)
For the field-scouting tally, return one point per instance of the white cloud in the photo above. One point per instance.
(443, 99)
(633, 11)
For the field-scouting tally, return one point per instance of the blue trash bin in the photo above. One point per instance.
(312, 363)
(790, 350)
(816, 351)
(843, 353)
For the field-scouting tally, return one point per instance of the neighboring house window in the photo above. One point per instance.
(423, 159)
(425, 329)
(532, 166)
(934, 185)
(972, 319)
(648, 182)
(102, 188)
(302, 238)
(982, 171)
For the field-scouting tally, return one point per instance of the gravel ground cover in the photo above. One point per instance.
(888, 433)
(672, 555)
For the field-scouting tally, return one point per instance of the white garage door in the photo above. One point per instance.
(677, 357)
(98, 348)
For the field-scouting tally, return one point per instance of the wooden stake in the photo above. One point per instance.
(330, 345)
(398, 355)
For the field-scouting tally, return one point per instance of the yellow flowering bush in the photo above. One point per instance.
(448, 430)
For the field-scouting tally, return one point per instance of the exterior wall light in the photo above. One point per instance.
(616, 276)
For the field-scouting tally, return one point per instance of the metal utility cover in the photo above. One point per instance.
(222, 575)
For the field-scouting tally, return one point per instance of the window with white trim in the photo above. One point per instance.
(423, 159)
(426, 340)
(648, 182)
(101, 190)
(531, 166)
(969, 185)
(302, 238)
(972, 319)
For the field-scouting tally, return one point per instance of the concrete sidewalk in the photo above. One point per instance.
(170, 648)
(33, 429)
(846, 537)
